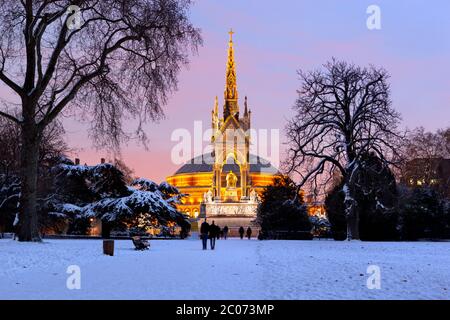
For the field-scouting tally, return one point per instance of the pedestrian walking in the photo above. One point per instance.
(225, 232)
(204, 230)
(213, 231)
(219, 231)
(241, 232)
(249, 233)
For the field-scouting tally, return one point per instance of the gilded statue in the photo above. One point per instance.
(231, 180)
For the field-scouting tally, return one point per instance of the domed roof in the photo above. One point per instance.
(204, 163)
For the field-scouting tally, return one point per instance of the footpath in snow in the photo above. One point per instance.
(237, 269)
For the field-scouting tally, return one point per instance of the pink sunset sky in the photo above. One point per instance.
(274, 39)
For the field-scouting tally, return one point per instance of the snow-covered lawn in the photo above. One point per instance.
(237, 269)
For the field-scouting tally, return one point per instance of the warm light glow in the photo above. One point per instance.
(198, 183)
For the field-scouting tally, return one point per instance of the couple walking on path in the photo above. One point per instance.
(242, 231)
(211, 231)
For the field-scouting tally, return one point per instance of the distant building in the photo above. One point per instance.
(433, 172)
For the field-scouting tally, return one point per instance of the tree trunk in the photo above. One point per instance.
(28, 228)
(352, 224)
(352, 214)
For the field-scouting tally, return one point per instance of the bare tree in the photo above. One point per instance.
(426, 157)
(343, 113)
(427, 145)
(109, 59)
(9, 147)
(52, 146)
(446, 135)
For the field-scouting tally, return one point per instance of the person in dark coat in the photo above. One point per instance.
(219, 232)
(249, 233)
(241, 232)
(225, 232)
(213, 231)
(204, 230)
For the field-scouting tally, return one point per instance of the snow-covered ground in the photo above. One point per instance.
(237, 269)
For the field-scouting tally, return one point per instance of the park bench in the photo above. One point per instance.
(140, 244)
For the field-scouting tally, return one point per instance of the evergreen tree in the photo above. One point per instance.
(377, 197)
(277, 212)
(423, 214)
(375, 192)
(85, 192)
(334, 206)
